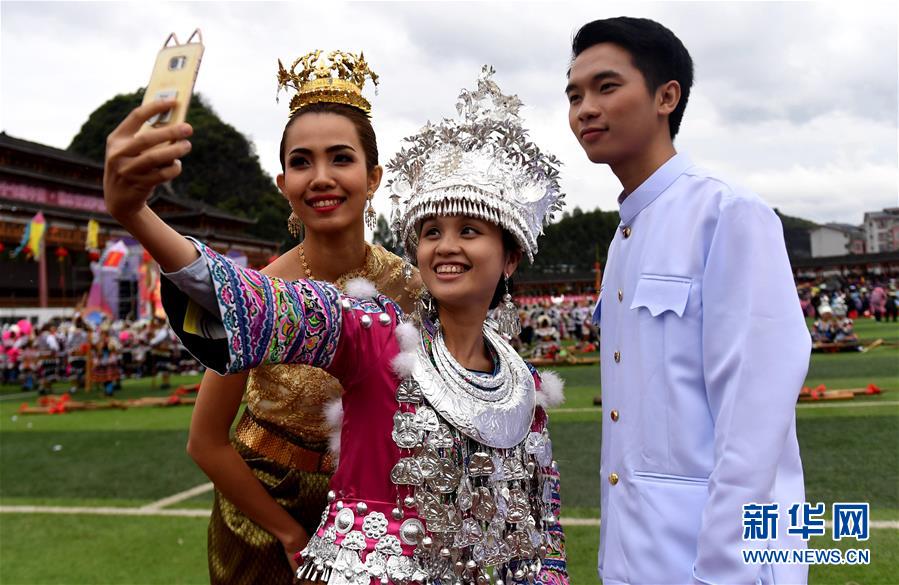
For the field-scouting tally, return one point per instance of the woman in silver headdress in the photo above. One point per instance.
(446, 472)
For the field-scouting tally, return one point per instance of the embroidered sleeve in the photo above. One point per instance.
(265, 320)
(555, 565)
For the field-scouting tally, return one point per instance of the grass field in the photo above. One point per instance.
(129, 459)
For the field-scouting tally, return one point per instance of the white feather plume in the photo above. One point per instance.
(407, 335)
(334, 416)
(404, 364)
(361, 289)
(552, 390)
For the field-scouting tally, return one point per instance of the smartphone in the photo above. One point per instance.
(173, 77)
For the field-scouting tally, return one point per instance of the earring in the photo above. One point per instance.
(371, 218)
(508, 323)
(427, 313)
(407, 268)
(295, 226)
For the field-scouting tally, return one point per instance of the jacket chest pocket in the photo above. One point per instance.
(660, 293)
(658, 307)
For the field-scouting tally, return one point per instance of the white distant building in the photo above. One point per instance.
(837, 239)
(882, 230)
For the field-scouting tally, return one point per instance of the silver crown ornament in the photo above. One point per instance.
(481, 164)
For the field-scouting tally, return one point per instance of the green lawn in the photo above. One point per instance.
(129, 458)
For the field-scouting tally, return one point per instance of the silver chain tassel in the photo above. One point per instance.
(371, 218)
(508, 323)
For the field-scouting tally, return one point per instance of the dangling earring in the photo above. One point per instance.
(508, 323)
(426, 310)
(371, 218)
(407, 269)
(295, 226)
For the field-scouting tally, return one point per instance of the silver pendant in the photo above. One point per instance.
(534, 443)
(463, 497)
(518, 506)
(453, 518)
(480, 463)
(412, 531)
(513, 469)
(469, 534)
(409, 391)
(442, 438)
(344, 520)
(406, 472)
(375, 525)
(389, 545)
(430, 508)
(426, 419)
(520, 544)
(405, 434)
(447, 478)
(429, 463)
(483, 506)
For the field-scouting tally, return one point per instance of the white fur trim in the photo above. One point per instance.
(404, 364)
(361, 289)
(551, 392)
(334, 416)
(408, 337)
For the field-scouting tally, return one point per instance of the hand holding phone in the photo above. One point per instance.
(173, 78)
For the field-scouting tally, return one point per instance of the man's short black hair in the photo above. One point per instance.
(655, 51)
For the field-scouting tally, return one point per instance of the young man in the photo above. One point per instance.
(704, 348)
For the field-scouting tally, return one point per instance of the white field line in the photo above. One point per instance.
(102, 511)
(179, 497)
(874, 524)
(865, 404)
(18, 395)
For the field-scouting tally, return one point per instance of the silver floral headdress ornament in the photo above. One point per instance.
(480, 164)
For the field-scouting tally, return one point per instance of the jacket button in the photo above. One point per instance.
(626, 231)
(620, 295)
(614, 415)
(613, 478)
(617, 357)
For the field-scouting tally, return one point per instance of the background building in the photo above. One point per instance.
(837, 239)
(882, 230)
(68, 190)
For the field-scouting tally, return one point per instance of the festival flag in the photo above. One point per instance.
(93, 235)
(104, 291)
(32, 238)
(149, 292)
(36, 237)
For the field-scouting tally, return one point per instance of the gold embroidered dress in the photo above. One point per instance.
(283, 436)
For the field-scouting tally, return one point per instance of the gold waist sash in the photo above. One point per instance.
(258, 436)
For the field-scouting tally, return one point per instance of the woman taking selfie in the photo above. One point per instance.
(272, 477)
(446, 470)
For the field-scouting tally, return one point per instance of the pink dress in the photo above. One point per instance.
(425, 491)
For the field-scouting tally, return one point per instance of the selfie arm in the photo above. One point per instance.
(135, 164)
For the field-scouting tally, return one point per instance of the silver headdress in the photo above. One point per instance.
(480, 164)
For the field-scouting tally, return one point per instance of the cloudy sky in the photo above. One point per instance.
(796, 100)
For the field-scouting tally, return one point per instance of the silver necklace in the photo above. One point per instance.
(448, 365)
(499, 418)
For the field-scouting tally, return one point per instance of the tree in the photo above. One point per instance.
(575, 243)
(222, 168)
(384, 236)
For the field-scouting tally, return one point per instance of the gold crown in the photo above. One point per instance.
(337, 77)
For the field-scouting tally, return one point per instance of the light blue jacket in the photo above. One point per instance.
(704, 350)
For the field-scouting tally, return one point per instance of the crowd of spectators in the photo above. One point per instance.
(87, 356)
(835, 305)
(548, 322)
